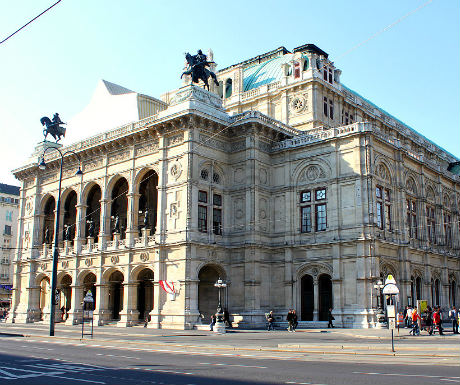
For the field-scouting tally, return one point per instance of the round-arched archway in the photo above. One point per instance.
(324, 296)
(66, 293)
(208, 295)
(116, 293)
(148, 198)
(44, 300)
(93, 212)
(48, 220)
(70, 216)
(145, 297)
(119, 208)
(307, 298)
(89, 284)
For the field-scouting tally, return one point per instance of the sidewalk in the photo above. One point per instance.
(369, 342)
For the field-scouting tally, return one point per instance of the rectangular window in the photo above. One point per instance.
(202, 219)
(217, 221)
(305, 196)
(331, 109)
(7, 230)
(447, 229)
(378, 192)
(411, 218)
(9, 216)
(379, 215)
(388, 217)
(320, 194)
(431, 224)
(296, 70)
(202, 196)
(351, 118)
(325, 73)
(321, 220)
(305, 215)
(325, 106)
(330, 76)
(217, 200)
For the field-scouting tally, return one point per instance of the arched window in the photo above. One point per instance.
(418, 288)
(228, 88)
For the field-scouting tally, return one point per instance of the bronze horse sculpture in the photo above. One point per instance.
(197, 69)
(53, 127)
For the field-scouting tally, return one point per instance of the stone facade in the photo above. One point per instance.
(292, 188)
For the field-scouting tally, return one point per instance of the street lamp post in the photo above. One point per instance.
(42, 166)
(220, 325)
(380, 313)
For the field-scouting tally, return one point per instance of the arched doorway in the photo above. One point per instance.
(48, 222)
(70, 216)
(116, 294)
(119, 207)
(325, 296)
(145, 293)
(44, 300)
(208, 295)
(66, 293)
(307, 298)
(89, 283)
(93, 211)
(148, 200)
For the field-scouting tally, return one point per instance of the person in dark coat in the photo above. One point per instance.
(330, 318)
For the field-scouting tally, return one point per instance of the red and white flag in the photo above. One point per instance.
(168, 286)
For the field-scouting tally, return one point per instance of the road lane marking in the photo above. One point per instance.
(75, 379)
(407, 375)
(240, 366)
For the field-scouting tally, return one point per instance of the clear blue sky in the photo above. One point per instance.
(53, 65)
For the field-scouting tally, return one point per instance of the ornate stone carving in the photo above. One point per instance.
(93, 164)
(114, 259)
(176, 170)
(382, 172)
(298, 104)
(43, 266)
(410, 186)
(312, 173)
(175, 140)
(144, 257)
(147, 148)
(118, 157)
(238, 175)
(263, 176)
(214, 143)
(88, 262)
(65, 264)
(29, 205)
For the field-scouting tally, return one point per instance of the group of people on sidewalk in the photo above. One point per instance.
(292, 320)
(431, 320)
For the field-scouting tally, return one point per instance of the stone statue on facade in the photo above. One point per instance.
(146, 218)
(67, 234)
(116, 227)
(197, 68)
(53, 127)
(47, 235)
(91, 227)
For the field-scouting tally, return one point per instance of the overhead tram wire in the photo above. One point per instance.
(25, 25)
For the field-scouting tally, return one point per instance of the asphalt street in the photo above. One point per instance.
(34, 361)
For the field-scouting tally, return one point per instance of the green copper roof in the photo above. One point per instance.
(266, 72)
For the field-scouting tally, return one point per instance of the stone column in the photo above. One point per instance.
(129, 315)
(155, 314)
(288, 279)
(101, 312)
(315, 298)
(75, 312)
(104, 224)
(80, 227)
(131, 225)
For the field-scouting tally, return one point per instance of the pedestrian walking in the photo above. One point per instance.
(213, 322)
(429, 320)
(415, 323)
(409, 317)
(453, 315)
(330, 318)
(294, 319)
(437, 320)
(290, 320)
(271, 320)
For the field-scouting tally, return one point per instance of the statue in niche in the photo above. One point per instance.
(47, 235)
(146, 218)
(90, 227)
(116, 227)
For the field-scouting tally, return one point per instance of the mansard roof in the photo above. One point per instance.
(266, 72)
(9, 189)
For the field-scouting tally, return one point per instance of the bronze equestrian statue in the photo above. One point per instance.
(197, 68)
(53, 127)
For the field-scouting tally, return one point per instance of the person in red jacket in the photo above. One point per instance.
(437, 320)
(415, 323)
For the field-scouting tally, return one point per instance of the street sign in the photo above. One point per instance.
(391, 323)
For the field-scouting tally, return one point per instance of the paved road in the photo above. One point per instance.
(33, 362)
